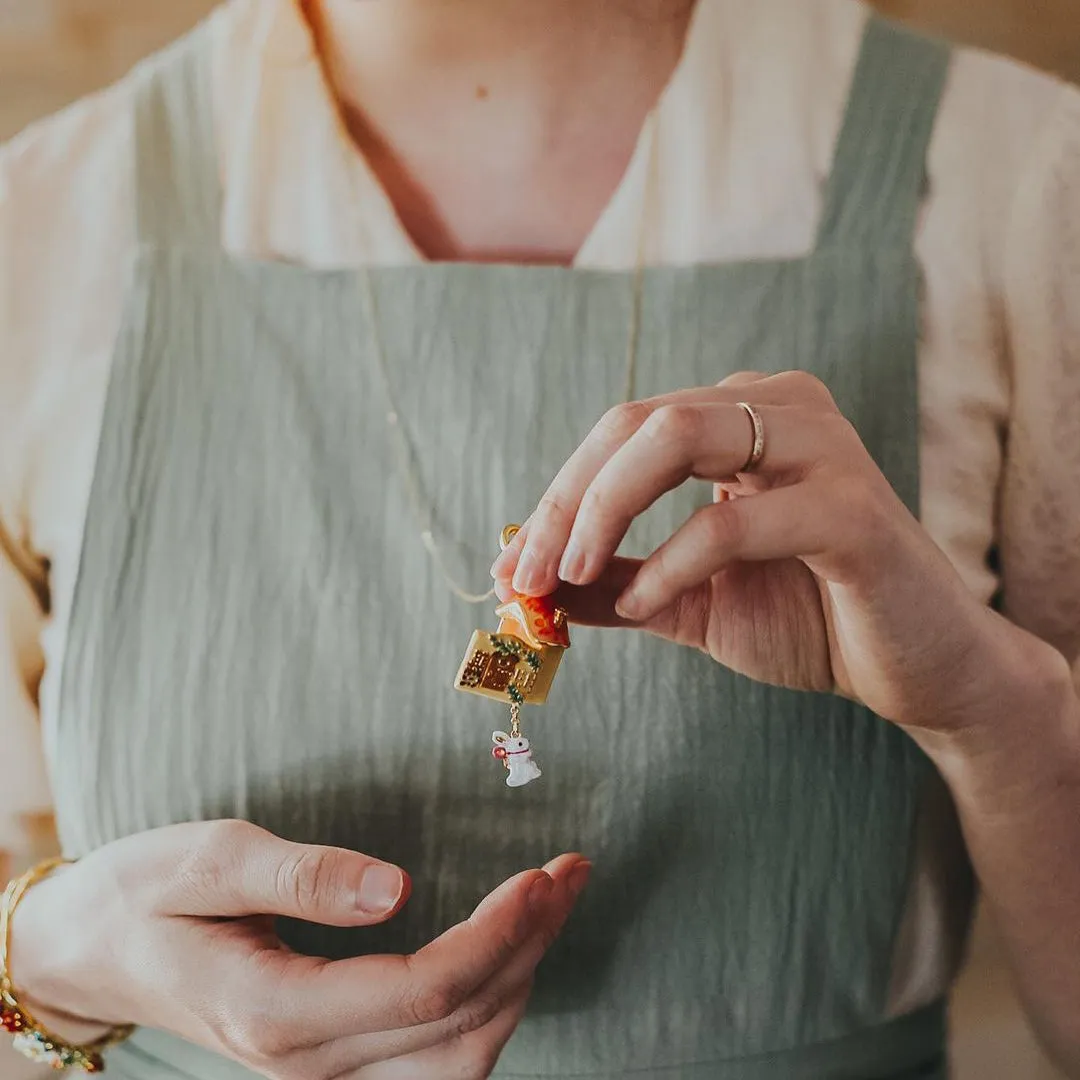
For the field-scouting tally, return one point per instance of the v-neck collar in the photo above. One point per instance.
(298, 189)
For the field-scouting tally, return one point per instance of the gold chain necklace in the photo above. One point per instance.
(422, 509)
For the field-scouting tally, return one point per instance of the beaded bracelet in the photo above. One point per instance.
(31, 1039)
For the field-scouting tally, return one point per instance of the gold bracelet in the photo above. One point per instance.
(31, 1039)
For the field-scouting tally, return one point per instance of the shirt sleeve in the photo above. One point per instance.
(1039, 530)
(24, 793)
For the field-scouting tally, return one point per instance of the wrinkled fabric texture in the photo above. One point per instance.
(258, 632)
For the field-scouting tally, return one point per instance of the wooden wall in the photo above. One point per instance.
(54, 50)
(1044, 32)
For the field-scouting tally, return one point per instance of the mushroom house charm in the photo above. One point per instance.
(516, 665)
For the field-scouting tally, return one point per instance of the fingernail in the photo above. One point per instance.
(539, 895)
(528, 572)
(380, 889)
(572, 567)
(629, 606)
(579, 878)
(500, 564)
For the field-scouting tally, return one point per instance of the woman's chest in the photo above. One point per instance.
(255, 592)
(255, 413)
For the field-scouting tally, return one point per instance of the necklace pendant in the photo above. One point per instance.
(516, 665)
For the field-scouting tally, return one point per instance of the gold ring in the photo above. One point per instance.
(757, 451)
(508, 535)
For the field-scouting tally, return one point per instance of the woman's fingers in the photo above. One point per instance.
(570, 875)
(278, 1004)
(593, 605)
(710, 442)
(386, 993)
(232, 869)
(532, 559)
(743, 378)
(804, 521)
(511, 551)
(641, 450)
(473, 1054)
(575, 532)
(287, 1003)
(470, 954)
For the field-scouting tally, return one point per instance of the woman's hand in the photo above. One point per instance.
(173, 929)
(807, 573)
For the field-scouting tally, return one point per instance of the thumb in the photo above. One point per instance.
(238, 870)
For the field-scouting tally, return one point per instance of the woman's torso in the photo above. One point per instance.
(257, 630)
(739, 196)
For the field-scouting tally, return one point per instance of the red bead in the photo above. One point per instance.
(11, 1020)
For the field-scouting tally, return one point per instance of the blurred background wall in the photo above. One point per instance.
(1044, 32)
(52, 51)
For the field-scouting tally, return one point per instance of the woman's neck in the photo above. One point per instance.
(499, 128)
(545, 51)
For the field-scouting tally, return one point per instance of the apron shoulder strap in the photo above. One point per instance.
(177, 183)
(878, 175)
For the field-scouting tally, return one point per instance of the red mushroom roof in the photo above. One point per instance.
(540, 618)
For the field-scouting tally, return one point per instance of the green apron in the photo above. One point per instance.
(258, 632)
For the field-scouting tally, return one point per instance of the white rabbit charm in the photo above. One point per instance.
(515, 752)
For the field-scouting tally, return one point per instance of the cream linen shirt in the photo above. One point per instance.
(745, 134)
